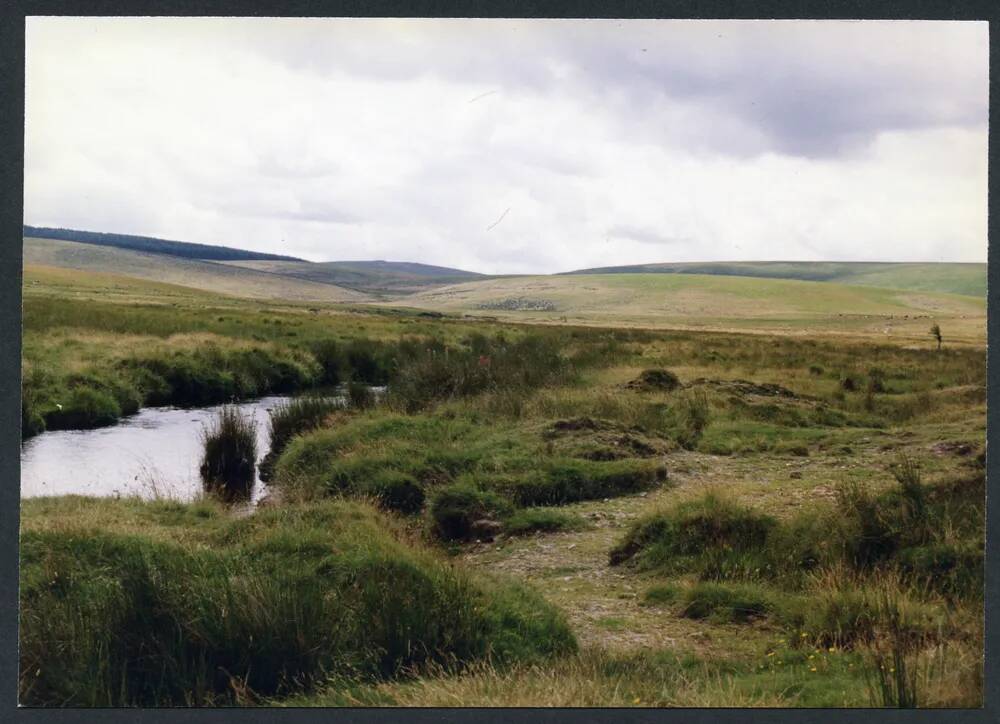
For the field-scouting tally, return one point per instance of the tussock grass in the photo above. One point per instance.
(541, 520)
(269, 605)
(291, 418)
(504, 463)
(229, 459)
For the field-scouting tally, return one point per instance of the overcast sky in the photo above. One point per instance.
(515, 146)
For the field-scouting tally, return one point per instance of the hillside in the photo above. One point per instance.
(714, 301)
(183, 249)
(969, 279)
(198, 274)
(371, 277)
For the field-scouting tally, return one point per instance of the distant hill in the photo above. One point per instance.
(714, 301)
(371, 277)
(152, 245)
(953, 278)
(210, 276)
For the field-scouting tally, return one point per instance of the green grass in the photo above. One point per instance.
(720, 302)
(789, 558)
(230, 454)
(969, 279)
(541, 520)
(251, 607)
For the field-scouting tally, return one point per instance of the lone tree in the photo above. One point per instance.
(936, 333)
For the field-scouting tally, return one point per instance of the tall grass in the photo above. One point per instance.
(270, 605)
(929, 534)
(230, 454)
(290, 418)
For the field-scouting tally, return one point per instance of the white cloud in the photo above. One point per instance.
(610, 142)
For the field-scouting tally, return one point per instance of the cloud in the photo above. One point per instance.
(610, 142)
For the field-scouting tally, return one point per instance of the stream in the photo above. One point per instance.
(152, 454)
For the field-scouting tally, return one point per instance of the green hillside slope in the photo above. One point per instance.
(969, 279)
(372, 277)
(715, 301)
(198, 274)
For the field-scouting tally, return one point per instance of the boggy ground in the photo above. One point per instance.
(861, 461)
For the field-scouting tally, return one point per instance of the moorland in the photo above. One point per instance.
(653, 489)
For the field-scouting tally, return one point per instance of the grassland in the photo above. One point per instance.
(698, 538)
(967, 279)
(198, 274)
(710, 302)
(382, 278)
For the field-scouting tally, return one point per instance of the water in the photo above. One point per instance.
(153, 454)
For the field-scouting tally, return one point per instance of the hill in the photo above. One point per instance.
(150, 244)
(371, 277)
(702, 301)
(969, 279)
(195, 273)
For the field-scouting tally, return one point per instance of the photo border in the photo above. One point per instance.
(12, 17)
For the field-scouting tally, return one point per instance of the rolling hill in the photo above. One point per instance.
(198, 274)
(969, 279)
(371, 277)
(151, 244)
(713, 301)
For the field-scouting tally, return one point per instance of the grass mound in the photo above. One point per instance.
(84, 408)
(690, 534)
(396, 491)
(456, 510)
(292, 418)
(541, 520)
(230, 454)
(562, 481)
(201, 608)
(929, 534)
(504, 463)
(655, 380)
(725, 603)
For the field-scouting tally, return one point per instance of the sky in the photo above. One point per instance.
(515, 146)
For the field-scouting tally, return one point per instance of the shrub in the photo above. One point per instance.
(395, 490)
(84, 408)
(456, 507)
(230, 454)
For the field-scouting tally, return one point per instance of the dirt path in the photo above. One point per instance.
(604, 604)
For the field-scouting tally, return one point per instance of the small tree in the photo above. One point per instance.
(936, 333)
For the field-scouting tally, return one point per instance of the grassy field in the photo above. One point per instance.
(967, 279)
(210, 276)
(369, 277)
(582, 516)
(690, 301)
